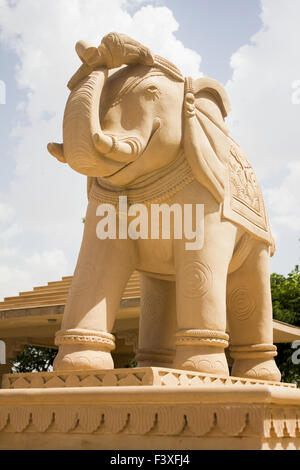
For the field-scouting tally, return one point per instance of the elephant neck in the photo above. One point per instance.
(154, 188)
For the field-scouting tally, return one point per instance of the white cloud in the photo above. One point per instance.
(11, 278)
(261, 88)
(47, 260)
(155, 28)
(8, 252)
(9, 233)
(47, 200)
(265, 116)
(39, 268)
(6, 213)
(284, 200)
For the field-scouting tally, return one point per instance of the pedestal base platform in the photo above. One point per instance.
(166, 409)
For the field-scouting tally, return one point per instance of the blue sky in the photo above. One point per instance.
(215, 29)
(250, 46)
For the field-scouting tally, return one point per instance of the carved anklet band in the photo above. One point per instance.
(156, 355)
(201, 338)
(253, 351)
(98, 339)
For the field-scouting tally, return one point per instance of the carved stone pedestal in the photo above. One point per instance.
(146, 408)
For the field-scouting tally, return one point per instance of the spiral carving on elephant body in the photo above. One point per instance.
(241, 304)
(196, 279)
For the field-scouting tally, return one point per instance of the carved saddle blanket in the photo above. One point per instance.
(243, 203)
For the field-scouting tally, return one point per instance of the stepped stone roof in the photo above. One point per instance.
(55, 293)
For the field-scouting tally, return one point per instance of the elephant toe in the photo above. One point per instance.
(202, 359)
(75, 358)
(256, 369)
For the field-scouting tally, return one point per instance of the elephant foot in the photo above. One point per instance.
(255, 362)
(74, 357)
(81, 349)
(207, 359)
(201, 351)
(256, 369)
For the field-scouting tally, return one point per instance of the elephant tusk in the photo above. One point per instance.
(123, 151)
(102, 143)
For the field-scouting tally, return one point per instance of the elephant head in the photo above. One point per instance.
(124, 124)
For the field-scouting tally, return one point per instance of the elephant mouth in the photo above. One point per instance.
(154, 132)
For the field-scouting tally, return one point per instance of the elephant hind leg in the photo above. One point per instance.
(157, 322)
(249, 312)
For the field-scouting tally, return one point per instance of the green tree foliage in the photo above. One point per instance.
(286, 297)
(286, 308)
(34, 359)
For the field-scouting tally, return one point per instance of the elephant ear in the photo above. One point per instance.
(206, 141)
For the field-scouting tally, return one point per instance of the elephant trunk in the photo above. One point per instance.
(86, 148)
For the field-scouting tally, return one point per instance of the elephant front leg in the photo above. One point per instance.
(103, 269)
(201, 300)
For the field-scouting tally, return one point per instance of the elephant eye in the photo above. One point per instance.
(152, 92)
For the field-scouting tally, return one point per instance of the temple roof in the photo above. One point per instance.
(55, 293)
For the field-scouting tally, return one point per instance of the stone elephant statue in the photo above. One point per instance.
(137, 128)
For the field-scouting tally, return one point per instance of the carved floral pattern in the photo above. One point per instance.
(243, 181)
(230, 419)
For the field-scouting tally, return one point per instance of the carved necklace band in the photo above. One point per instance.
(153, 189)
